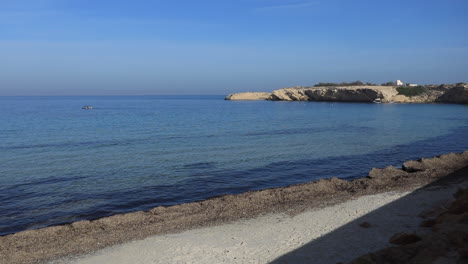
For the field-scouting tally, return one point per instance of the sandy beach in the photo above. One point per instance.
(326, 235)
(326, 221)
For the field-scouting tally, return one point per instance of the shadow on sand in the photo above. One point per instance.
(351, 240)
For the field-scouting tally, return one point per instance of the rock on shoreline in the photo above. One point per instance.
(86, 236)
(248, 96)
(387, 94)
(444, 240)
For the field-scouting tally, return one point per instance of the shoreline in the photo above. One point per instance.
(32, 246)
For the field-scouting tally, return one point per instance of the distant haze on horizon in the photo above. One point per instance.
(75, 47)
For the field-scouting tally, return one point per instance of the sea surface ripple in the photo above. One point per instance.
(59, 163)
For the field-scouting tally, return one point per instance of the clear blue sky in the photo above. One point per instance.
(89, 47)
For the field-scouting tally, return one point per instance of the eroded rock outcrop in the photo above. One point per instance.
(443, 162)
(331, 94)
(248, 96)
(455, 95)
(450, 160)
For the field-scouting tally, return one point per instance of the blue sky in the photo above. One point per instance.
(116, 47)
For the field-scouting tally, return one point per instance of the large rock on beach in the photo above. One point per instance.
(404, 238)
(450, 160)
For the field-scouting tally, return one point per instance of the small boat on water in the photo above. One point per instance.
(378, 101)
(87, 107)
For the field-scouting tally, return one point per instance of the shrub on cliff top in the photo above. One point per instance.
(388, 84)
(356, 83)
(411, 91)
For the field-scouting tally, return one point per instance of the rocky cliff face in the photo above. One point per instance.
(340, 94)
(455, 95)
(387, 94)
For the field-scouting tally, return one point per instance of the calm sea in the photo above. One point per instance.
(59, 163)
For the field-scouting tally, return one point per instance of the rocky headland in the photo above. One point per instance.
(453, 93)
(81, 237)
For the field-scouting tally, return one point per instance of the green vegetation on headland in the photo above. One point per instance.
(403, 90)
(411, 90)
(356, 83)
(388, 84)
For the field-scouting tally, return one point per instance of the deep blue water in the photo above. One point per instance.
(59, 163)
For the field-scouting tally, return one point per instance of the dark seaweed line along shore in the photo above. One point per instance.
(81, 237)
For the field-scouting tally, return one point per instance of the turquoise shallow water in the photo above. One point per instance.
(59, 163)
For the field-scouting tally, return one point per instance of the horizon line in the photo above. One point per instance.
(113, 95)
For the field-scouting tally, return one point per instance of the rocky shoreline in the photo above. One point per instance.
(456, 93)
(248, 96)
(35, 246)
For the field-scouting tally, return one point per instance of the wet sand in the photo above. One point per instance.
(284, 204)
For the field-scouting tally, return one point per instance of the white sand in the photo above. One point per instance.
(326, 235)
